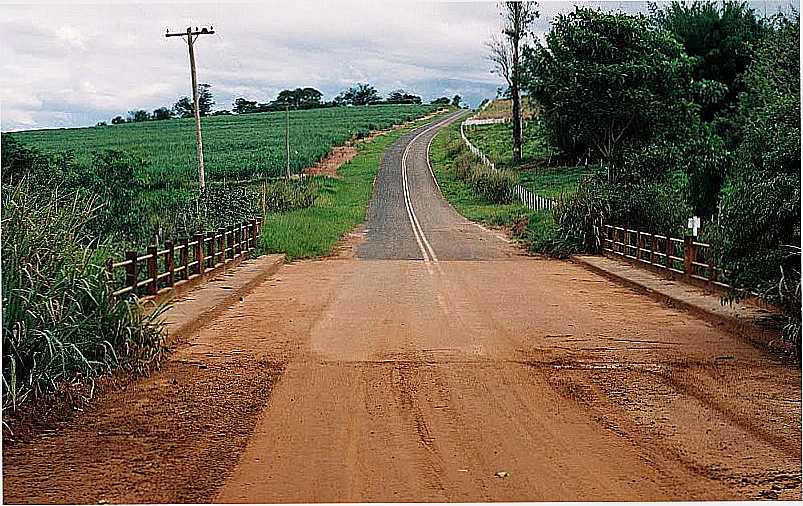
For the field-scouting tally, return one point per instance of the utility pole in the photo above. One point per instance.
(191, 35)
(287, 137)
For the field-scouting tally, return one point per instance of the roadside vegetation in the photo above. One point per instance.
(60, 322)
(691, 109)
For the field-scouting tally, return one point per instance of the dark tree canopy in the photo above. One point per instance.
(299, 98)
(244, 106)
(162, 113)
(456, 100)
(360, 94)
(719, 35)
(138, 116)
(118, 120)
(441, 101)
(604, 79)
(402, 97)
(184, 107)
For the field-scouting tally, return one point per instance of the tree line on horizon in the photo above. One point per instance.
(297, 99)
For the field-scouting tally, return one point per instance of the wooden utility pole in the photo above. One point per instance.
(191, 35)
(287, 137)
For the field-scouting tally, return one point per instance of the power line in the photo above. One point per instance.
(191, 35)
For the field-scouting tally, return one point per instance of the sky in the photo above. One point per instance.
(72, 64)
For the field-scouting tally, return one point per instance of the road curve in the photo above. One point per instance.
(408, 219)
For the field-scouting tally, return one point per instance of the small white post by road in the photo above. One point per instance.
(694, 225)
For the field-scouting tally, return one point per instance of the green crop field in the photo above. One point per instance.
(235, 147)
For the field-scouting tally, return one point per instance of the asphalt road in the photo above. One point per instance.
(408, 219)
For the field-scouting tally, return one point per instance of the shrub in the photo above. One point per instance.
(495, 186)
(284, 195)
(60, 322)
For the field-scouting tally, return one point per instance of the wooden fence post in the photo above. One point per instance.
(131, 271)
(152, 270)
(689, 255)
(212, 254)
(199, 252)
(653, 247)
(244, 239)
(170, 263)
(222, 231)
(184, 257)
(257, 229)
(230, 243)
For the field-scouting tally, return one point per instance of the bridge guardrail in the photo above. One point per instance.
(157, 272)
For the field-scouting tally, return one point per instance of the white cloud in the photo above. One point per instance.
(68, 64)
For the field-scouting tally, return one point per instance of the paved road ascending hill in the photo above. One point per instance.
(407, 217)
(437, 365)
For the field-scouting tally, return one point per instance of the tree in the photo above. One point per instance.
(360, 94)
(456, 100)
(505, 54)
(299, 98)
(101, 124)
(719, 36)
(402, 97)
(243, 106)
(205, 99)
(441, 101)
(138, 116)
(162, 113)
(185, 109)
(605, 80)
(758, 238)
(117, 120)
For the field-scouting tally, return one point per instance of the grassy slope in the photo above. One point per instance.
(540, 229)
(495, 141)
(459, 193)
(235, 146)
(341, 206)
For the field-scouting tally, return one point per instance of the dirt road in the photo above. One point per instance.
(433, 362)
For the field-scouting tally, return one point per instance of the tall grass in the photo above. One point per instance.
(495, 186)
(60, 322)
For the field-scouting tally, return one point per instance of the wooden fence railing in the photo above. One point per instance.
(160, 270)
(687, 257)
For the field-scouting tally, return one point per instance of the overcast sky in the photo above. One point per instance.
(69, 64)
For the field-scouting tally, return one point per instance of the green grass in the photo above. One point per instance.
(341, 206)
(496, 141)
(235, 147)
(459, 193)
(535, 230)
(554, 181)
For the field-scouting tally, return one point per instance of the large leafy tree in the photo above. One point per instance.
(402, 97)
(206, 101)
(719, 37)
(607, 80)
(759, 234)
